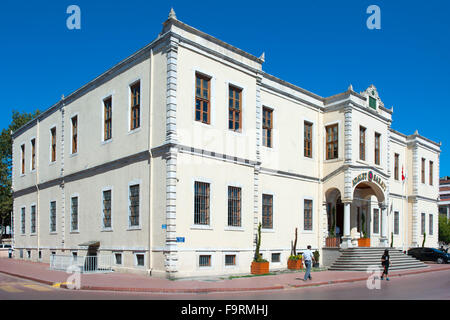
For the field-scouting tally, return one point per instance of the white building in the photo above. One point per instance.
(170, 159)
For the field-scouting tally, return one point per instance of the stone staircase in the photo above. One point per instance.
(359, 259)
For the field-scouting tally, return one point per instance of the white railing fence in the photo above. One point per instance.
(85, 264)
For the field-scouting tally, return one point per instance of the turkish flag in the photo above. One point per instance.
(403, 175)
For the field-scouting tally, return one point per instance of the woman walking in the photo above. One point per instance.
(385, 262)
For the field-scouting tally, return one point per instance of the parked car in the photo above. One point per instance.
(5, 246)
(429, 254)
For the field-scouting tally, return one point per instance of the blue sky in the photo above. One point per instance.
(321, 46)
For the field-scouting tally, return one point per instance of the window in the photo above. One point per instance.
(134, 205)
(204, 261)
(140, 259)
(275, 257)
(308, 215)
(373, 103)
(396, 222)
(234, 109)
(230, 260)
(74, 134)
(202, 98)
(22, 148)
(396, 157)
(33, 154)
(74, 214)
(422, 223)
(267, 214)
(118, 257)
(22, 229)
(201, 203)
(332, 141)
(307, 139)
(107, 115)
(53, 216)
(377, 148)
(431, 173)
(33, 219)
(234, 206)
(107, 209)
(362, 143)
(430, 225)
(423, 170)
(53, 144)
(135, 105)
(376, 221)
(267, 127)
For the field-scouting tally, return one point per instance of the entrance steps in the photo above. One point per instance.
(359, 259)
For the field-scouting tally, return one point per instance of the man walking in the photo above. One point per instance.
(308, 258)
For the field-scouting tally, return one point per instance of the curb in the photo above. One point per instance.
(211, 290)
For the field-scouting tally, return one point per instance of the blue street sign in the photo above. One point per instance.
(180, 239)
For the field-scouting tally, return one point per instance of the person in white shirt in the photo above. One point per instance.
(308, 258)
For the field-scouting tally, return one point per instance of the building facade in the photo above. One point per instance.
(444, 196)
(171, 159)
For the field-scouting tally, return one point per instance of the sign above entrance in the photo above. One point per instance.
(371, 177)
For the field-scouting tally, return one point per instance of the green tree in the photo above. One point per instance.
(444, 229)
(18, 119)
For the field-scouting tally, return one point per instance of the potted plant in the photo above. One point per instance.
(259, 265)
(295, 260)
(316, 255)
(364, 241)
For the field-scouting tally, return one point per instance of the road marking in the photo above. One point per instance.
(10, 289)
(37, 287)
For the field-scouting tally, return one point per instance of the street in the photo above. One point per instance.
(426, 286)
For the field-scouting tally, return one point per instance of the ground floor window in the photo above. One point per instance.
(140, 259)
(267, 214)
(201, 203)
(230, 260)
(376, 221)
(308, 223)
(275, 257)
(204, 261)
(118, 257)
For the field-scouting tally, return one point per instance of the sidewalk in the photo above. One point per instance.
(40, 272)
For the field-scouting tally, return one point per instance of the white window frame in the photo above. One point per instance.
(303, 214)
(23, 166)
(102, 127)
(243, 106)
(121, 258)
(269, 193)
(133, 183)
(313, 139)
(135, 254)
(50, 216)
(212, 117)
(110, 188)
(71, 134)
(35, 218)
(75, 195)
(50, 162)
(23, 219)
(130, 84)
(229, 253)
(341, 142)
(211, 205)
(234, 228)
(31, 154)
(204, 253)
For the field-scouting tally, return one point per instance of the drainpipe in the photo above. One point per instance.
(37, 188)
(150, 178)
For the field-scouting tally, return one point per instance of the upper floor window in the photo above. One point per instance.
(396, 160)
(53, 146)
(267, 126)
(135, 105)
(234, 109)
(202, 98)
(74, 134)
(107, 114)
(33, 154)
(22, 155)
(332, 138)
(362, 143)
(377, 148)
(307, 139)
(423, 170)
(373, 103)
(431, 173)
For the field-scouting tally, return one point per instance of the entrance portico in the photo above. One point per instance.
(362, 216)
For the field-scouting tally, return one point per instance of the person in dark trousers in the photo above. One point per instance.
(385, 262)
(308, 258)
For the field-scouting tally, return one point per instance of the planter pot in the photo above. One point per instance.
(295, 264)
(332, 242)
(364, 242)
(259, 267)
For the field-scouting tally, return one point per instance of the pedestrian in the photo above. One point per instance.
(308, 258)
(385, 262)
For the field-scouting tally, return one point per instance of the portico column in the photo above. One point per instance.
(346, 239)
(384, 220)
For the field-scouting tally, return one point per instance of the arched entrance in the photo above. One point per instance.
(362, 216)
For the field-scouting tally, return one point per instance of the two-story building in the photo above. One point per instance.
(170, 160)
